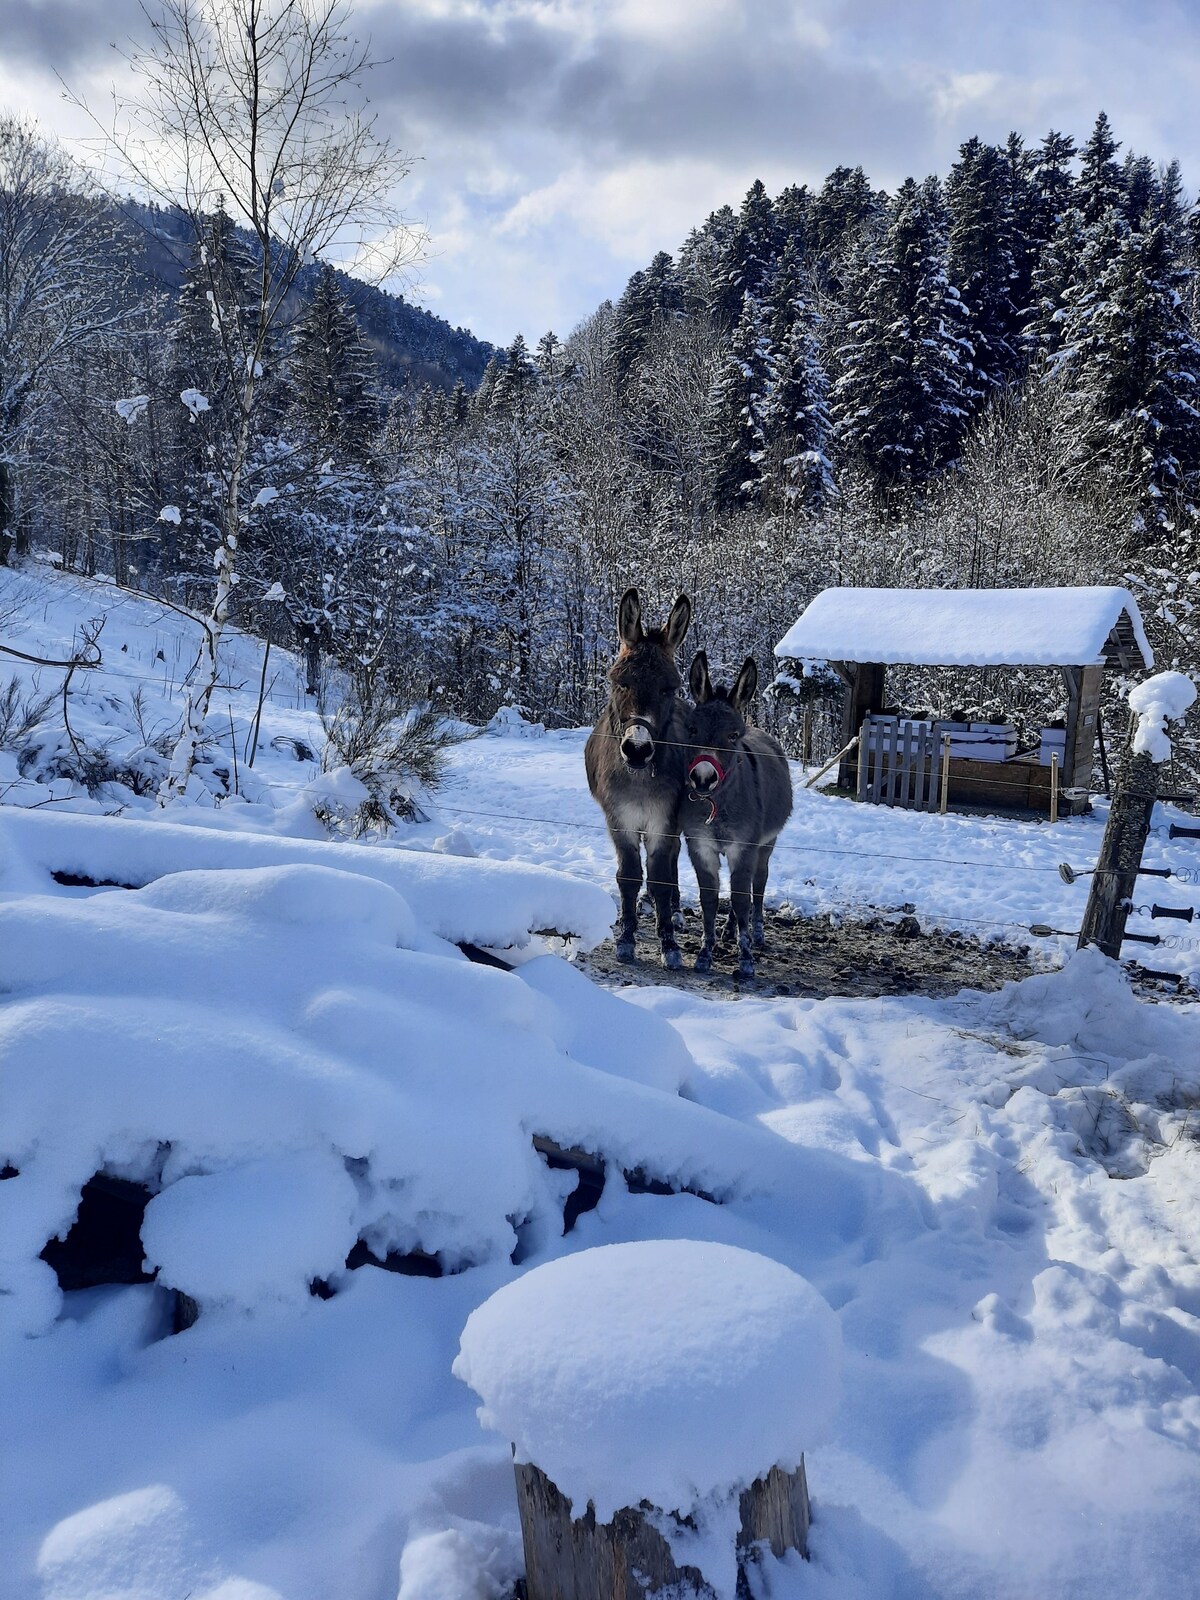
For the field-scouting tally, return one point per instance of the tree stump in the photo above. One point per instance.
(628, 1558)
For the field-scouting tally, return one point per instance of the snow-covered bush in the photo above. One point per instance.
(395, 751)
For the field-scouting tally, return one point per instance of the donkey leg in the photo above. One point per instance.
(741, 878)
(662, 872)
(761, 868)
(706, 863)
(629, 886)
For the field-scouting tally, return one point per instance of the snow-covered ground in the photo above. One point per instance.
(997, 1195)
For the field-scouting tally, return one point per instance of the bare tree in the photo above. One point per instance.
(57, 270)
(257, 105)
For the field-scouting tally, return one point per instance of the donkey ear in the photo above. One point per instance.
(629, 619)
(699, 681)
(679, 622)
(745, 685)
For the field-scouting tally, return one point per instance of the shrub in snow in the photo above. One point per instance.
(674, 1372)
(20, 713)
(393, 750)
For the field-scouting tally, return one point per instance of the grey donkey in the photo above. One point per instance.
(739, 795)
(635, 768)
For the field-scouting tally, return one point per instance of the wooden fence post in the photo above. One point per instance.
(1120, 858)
(1054, 786)
(945, 784)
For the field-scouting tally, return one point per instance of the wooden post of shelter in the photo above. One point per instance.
(865, 681)
(628, 1558)
(1083, 721)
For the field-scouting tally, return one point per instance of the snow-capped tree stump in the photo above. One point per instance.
(643, 1388)
(628, 1558)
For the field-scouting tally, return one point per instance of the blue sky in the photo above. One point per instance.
(560, 143)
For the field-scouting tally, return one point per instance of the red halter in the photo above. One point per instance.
(720, 771)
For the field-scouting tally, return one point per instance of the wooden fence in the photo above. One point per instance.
(898, 762)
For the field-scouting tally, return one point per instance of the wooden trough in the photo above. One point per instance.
(1080, 633)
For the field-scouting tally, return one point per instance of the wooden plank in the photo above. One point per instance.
(893, 760)
(908, 758)
(878, 734)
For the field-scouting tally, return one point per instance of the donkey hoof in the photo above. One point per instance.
(625, 950)
(746, 964)
(704, 961)
(671, 959)
(759, 941)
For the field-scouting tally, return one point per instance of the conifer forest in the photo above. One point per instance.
(987, 378)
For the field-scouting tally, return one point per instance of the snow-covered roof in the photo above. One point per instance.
(1078, 627)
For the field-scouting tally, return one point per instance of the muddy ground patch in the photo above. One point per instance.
(820, 957)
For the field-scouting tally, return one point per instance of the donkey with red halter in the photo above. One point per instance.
(635, 768)
(739, 795)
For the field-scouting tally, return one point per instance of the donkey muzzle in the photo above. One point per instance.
(705, 774)
(637, 746)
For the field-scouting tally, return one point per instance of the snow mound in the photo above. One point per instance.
(606, 1032)
(497, 904)
(667, 1371)
(288, 1063)
(1166, 697)
(257, 1232)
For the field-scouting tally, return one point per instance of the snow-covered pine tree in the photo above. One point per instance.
(700, 258)
(1055, 280)
(983, 258)
(749, 258)
(797, 419)
(793, 206)
(648, 295)
(908, 381)
(1135, 376)
(1100, 188)
(333, 406)
(738, 412)
(845, 209)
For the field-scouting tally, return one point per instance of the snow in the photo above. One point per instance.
(194, 401)
(171, 514)
(1166, 697)
(674, 1371)
(963, 627)
(264, 497)
(995, 1195)
(130, 409)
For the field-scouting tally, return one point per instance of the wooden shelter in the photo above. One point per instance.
(1080, 632)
